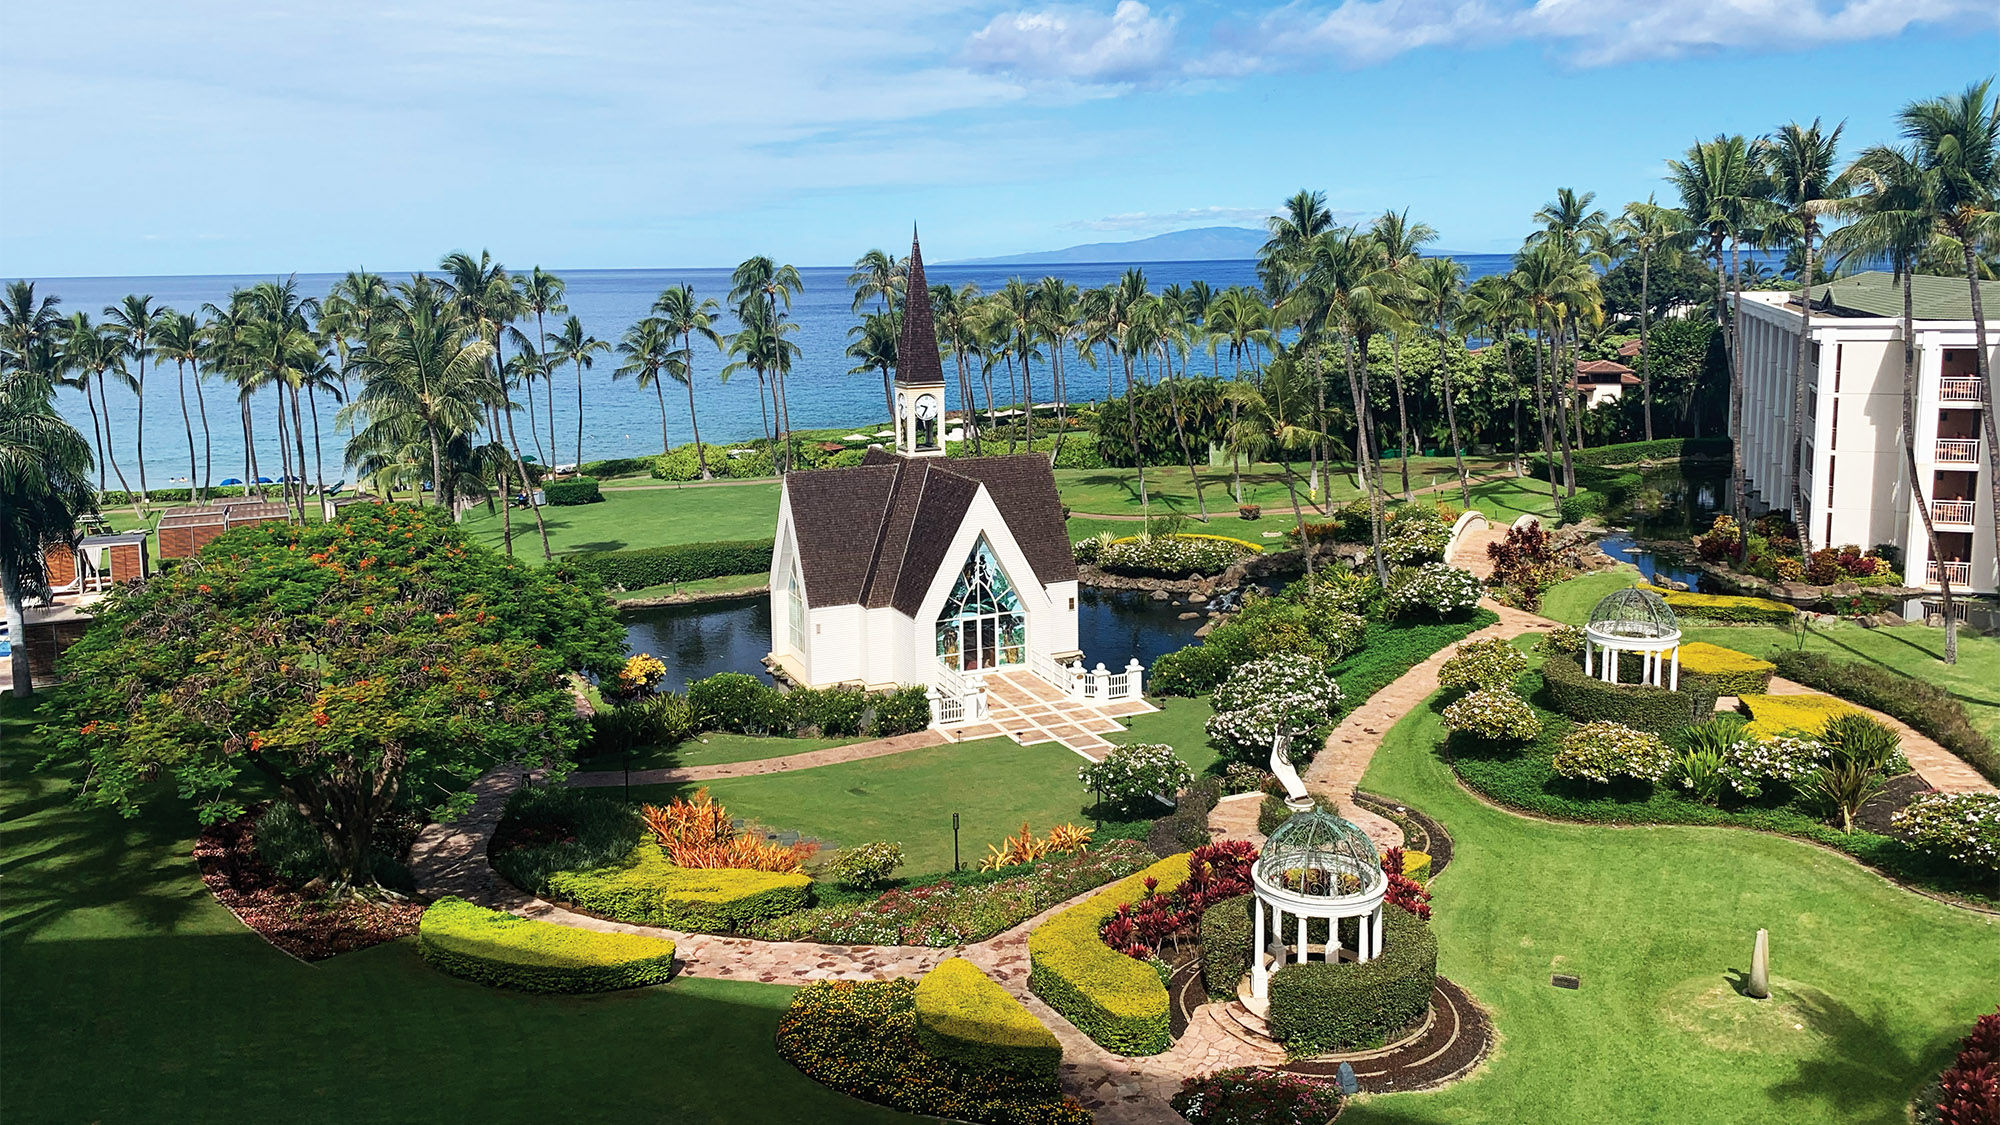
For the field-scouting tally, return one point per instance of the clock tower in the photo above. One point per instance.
(919, 373)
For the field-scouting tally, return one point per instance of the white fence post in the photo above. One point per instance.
(1134, 672)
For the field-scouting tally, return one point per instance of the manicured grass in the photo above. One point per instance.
(131, 995)
(1169, 489)
(726, 584)
(1180, 723)
(1505, 501)
(714, 749)
(1658, 924)
(636, 518)
(1571, 600)
(993, 784)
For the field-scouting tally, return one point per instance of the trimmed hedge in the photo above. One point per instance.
(1227, 929)
(571, 492)
(615, 467)
(646, 890)
(1730, 609)
(1656, 710)
(679, 562)
(1117, 1001)
(1727, 671)
(176, 495)
(1926, 707)
(1636, 452)
(1582, 506)
(1773, 715)
(962, 1015)
(1318, 1007)
(493, 947)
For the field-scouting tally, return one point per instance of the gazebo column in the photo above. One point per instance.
(1376, 923)
(1677, 668)
(1610, 665)
(1259, 975)
(1305, 928)
(1587, 646)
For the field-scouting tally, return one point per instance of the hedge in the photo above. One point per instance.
(1727, 671)
(679, 562)
(1773, 715)
(1926, 707)
(575, 490)
(1582, 506)
(1636, 452)
(1729, 609)
(646, 890)
(1318, 1007)
(962, 1015)
(177, 495)
(1114, 999)
(1227, 929)
(493, 947)
(615, 467)
(1657, 710)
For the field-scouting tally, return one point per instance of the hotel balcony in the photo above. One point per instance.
(1957, 451)
(1960, 390)
(1960, 513)
(1960, 573)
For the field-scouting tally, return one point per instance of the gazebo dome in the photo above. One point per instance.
(1318, 855)
(1635, 613)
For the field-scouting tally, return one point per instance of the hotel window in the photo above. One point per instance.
(1833, 429)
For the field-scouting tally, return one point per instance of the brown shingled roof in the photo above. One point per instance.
(1601, 367)
(916, 349)
(876, 534)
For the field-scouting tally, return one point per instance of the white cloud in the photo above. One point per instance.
(1176, 220)
(1132, 45)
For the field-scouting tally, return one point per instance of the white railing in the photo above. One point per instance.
(1957, 451)
(1066, 677)
(955, 698)
(1953, 511)
(1960, 388)
(1960, 573)
(1104, 685)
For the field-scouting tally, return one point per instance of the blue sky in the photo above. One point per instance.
(214, 137)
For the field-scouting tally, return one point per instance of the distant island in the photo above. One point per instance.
(1202, 244)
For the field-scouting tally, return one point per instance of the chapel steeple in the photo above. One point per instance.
(919, 372)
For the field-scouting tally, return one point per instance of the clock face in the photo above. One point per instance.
(927, 408)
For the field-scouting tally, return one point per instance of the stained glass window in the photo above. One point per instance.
(795, 601)
(982, 625)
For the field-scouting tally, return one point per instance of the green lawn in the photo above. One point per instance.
(726, 584)
(1180, 723)
(132, 996)
(1873, 985)
(642, 518)
(714, 749)
(1169, 489)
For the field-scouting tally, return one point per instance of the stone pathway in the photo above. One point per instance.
(852, 752)
(1031, 710)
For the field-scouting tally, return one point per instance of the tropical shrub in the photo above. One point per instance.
(1226, 930)
(1524, 562)
(1318, 1007)
(865, 866)
(1415, 536)
(1132, 777)
(1563, 640)
(545, 829)
(698, 833)
(1405, 888)
(675, 563)
(641, 673)
(1432, 590)
(1723, 539)
(1250, 1096)
(681, 463)
(1862, 755)
(493, 947)
(902, 711)
(290, 846)
(1168, 556)
(645, 889)
(861, 1038)
(1962, 827)
(651, 720)
(1280, 695)
(740, 702)
(575, 490)
(1340, 587)
(960, 909)
(1242, 777)
(1194, 670)
(1658, 710)
(1727, 671)
(616, 467)
(1117, 1001)
(1215, 872)
(1968, 1092)
(965, 1017)
(1926, 707)
(1601, 751)
(1025, 848)
(1493, 715)
(1748, 763)
(1186, 828)
(1491, 663)
(1582, 506)
(834, 712)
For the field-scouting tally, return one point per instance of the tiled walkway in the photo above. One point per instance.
(1031, 710)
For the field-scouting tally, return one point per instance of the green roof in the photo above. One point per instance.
(1878, 293)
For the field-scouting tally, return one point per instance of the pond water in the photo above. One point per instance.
(1674, 503)
(1623, 548)
(695, 641)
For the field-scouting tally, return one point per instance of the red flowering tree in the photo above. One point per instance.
(376, 663)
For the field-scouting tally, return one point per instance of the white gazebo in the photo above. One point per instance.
(1634, 620)
(1315, 867)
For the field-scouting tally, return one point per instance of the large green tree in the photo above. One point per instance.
(44, 483)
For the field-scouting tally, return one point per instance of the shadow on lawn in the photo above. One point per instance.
(1855, 1043)
(1914, 646)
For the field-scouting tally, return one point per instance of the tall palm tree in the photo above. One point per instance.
(1056, 315)
(878, 276)
(542, 293)
(762, 284)
(647, 346)
(1303, 218)
(94, 352)
(279, 350)
(1264, 426)
(348, 316)
(872, 347)
(423, 375)
(957, 315)
(761, 345)
(579, 349)
(1805, 187)
(1402, 244)
(1957, 140)
(489, 299)
(178, 339)
(1017, 309)
(1439, 286)
(1897, 208)
(44, 471)
(224, 326)
(28, 327)
(1237, 319)
(687, 317)
(132, 320)
(1493, 304)
(1650, 231)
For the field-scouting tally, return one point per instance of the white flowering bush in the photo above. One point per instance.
(1563, 640)
(1286, 694)
(1495, 715)
(1433, 589)
(1340, 588)
(1964, 827)
(1168, 556)
(1130, 775)
(1602, 751)
(1287, 674)
(1750, 762)
(1413, 541)
(1491, 663)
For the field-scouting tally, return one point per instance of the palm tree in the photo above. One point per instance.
(1897, 208)
(1650, 231)
(687, 317)
(1439, 285)
(1304, 218)
(1056, 313)
(179, 339)
(578, 348)
(761, 346)
(1017, 312)
(279, 351)
(1805, 187)
(542, 293)
(1553, 281)
(1957, 140)
(132, 320)
(93, 351)
(1402, 243)
(44, 470)
(1264, 427)
(224, 353)
(489, 299)
(29, 327)
(348, 315)
(647, 347)
(762, 284)
(1237, 318)
(873, 348)
(423, 375)
(956, 313)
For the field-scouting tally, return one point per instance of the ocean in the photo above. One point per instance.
(619, 420)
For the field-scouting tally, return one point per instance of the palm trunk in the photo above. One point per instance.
(695, 424)
(284, 455)
(187, 423)
(1988, 422)
(1138, 459)
(1916, 478)
(1514, 392)
(96, 431)
(299, 439)
(1061, 389)
(1187, 451)
(319, 464)
(527, 486)
(1645, 323)
(17, 619)
(579, 415)
(437, 472)
(111, 448)
(1739, 504)
(1363, 462)
(1028, 406)
(1299, 518)
(763, 410)
(139, 434)
(207, 439)
(660, 393)
(249, 451)
(1563, 369)
(1542, 413)
(1801, 496)
(1402, 412)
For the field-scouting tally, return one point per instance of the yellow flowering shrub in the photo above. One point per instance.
(1114, 999)
(493, 947)
(963, 1015)
(1774, 715)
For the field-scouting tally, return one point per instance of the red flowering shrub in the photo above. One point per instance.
(1823, 567)
(1969, 1093)
(1246, 1094)
(1404, 891)
(1721, 541)
(1215, 872)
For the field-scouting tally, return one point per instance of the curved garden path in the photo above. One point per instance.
(852, 752)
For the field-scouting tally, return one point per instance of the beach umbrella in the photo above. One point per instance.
(265, 480)
(528, 457)
(232, 480)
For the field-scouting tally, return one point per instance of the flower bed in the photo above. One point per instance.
(860, 1037)
(1729, 609)
(1249, 1096)
(1170, 556)
(1119, 1002)
(1773, 715)
(1962, 827)
(647, 890)
(493, 947)
(1927, 707)
(1433, 590)
(944, 913)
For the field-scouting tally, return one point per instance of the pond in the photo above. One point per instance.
(1674, 503)
(695, 641)
(1623, 548)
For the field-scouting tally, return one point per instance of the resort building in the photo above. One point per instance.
(1600, 381)
(1857, 475)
